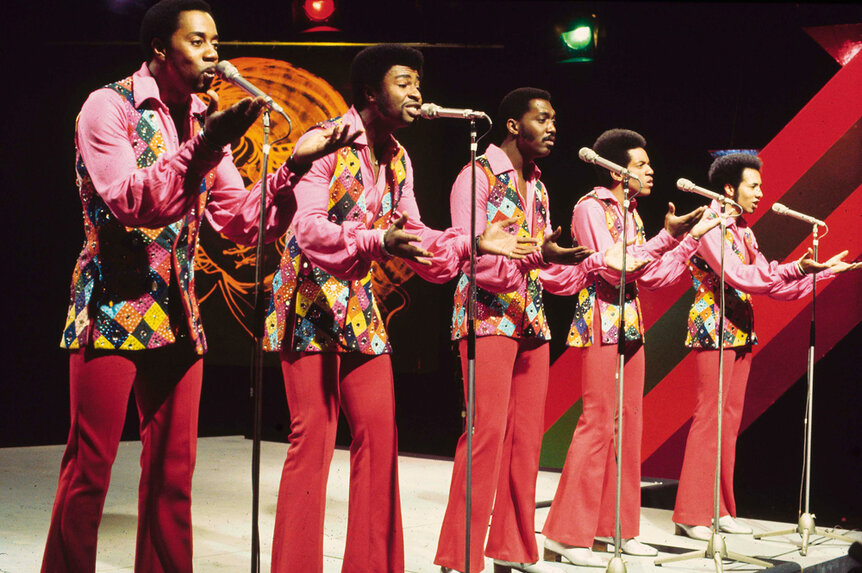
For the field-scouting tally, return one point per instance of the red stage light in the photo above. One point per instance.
(318, 10)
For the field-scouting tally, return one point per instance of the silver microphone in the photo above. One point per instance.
(587, 155)
(688, 186)
(434, 111)
(782, 210)
(229, 73)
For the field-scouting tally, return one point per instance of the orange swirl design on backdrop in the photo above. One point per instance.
(308, 100)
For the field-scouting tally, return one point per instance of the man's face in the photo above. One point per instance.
(748, 192)
(639, 165)
(537, 129)
(192, 53)
(398, 100)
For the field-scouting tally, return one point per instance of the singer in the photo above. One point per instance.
(512, 357)
(583, 510)
(152, 161)
(747, 272)
(354, 207)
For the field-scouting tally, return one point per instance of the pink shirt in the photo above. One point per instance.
(347, 250)
(499, 274)
(590, 229)
(162, 193)
(756, 275)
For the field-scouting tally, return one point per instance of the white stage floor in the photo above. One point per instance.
(222, 513)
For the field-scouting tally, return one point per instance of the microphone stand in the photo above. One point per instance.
(806, 526)
(616, 564)
(471, 349)
(257, 359)
(717, 549)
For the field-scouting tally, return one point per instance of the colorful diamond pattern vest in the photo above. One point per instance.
(329, 314)
(704, 315)
(517, 314)
(121, 281)
(606, 295)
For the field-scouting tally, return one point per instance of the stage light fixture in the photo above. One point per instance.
(316, 15)
(577, 42)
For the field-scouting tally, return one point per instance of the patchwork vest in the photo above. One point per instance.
(517, 314)
(121, 282)
(327, 314)
(606, 295)
(705, 312)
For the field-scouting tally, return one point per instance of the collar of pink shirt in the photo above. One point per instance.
(353, 121)
(144, 87)
(605, 193)
(500, 163)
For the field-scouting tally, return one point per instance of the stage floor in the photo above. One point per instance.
(222, 513)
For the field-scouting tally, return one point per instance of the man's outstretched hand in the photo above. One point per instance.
(399, 243)
(552, 252)
(679, 225)
(320, 142)
(614, 258)
(495, 240)
(224, 126)
(836, 263)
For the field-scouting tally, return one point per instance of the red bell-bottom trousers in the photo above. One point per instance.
(167, 385)
(317, 384)
(510, 388)
(695, 503)
(584, 506)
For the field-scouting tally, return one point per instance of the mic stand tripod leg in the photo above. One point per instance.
(806, 527)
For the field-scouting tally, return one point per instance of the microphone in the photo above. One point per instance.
(587, 155)
(434, 111)
(782, 210)
(686, 185)
(229, 73)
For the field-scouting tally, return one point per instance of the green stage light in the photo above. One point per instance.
(577, 43)
(579, 38)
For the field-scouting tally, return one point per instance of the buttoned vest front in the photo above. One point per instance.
(520, 313)
(605, 295)
(122, 278)
(324, 313)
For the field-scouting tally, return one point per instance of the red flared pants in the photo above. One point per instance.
(511, 384)
(167, 386)
(317, 384)
(584, 506)
(694, 499)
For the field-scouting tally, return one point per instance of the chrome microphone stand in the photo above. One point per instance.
(717, 549)
(471, 351)
(471, 341)
(258, 333)
(257, 360)
(616, 564)
(805, 526)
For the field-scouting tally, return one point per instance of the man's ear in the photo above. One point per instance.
(370, 96)
(513, 128)
(729, 190)
(159, 50)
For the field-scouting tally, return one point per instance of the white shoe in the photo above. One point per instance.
(630, 546)
(727, 524)
(699, 532)
(509, 566)
(581, 556)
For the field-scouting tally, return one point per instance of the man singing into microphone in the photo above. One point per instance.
(583, 509)
(354, 207)
(152, 160)
(747, 272)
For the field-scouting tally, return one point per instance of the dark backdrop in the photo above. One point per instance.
(690, 77)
